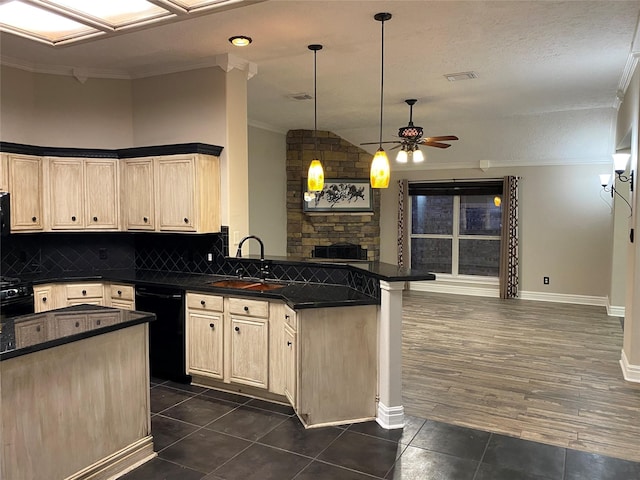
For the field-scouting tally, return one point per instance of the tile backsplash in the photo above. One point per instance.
(59, 253)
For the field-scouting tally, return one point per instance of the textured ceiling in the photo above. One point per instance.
(534, 59)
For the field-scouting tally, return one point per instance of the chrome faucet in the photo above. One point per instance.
(264, 268)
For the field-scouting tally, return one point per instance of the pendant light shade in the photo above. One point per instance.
(380, 171)
(403, 156)
(315, 176)
(417, 155)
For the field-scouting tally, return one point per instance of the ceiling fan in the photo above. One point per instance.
(411, 137)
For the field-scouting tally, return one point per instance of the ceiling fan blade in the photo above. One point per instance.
(377, 143)
(393, 148)
(439, 139)
(435, 144)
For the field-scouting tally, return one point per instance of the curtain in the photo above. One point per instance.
(403, 224)
(509, 240)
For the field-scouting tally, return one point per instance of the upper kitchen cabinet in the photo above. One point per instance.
(138, 194)
(188, 193)
(25, 185)
(4, 172)
(83, 194)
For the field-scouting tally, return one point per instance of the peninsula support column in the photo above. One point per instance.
(390, 410)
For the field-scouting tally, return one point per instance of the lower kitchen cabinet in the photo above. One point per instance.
(249, 351)
(43, 299)
(290, 364)
(121, 296)
(204, 335)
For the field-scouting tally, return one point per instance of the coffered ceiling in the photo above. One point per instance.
(548, 72)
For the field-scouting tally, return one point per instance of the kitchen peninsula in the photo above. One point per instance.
(75, 405)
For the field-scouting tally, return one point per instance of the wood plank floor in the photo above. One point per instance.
(541, 371)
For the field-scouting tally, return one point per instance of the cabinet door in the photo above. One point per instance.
(43, 298)
(30, 332)
(71, 324)
(290, 364)
(66, 193)
(25, 185)
(101, 194)
(4, 172)
(138, 204)
(204, 344)
(249, 354)
(176, 193)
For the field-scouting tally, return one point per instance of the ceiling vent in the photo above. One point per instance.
(300, 96)
(454, 77)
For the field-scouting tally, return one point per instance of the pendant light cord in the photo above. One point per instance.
(381, 81)
(315, 101)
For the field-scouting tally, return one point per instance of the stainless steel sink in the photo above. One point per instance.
(252, 285)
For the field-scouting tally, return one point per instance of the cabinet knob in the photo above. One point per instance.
(98, 322)
(145, 219)
(212, 325)
(84, 292)
(73, 219)
(77, 324)
(288, 344)
(38, 328)
(287, 317)
(186, 220)
(33, 219)
(203, 303)
(237, 329)
(246, 309)
(44, 299)
(119, 292)
(95, 219)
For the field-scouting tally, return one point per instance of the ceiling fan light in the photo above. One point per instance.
(402, 156)
(380, 171)
(417, 156)
(315, 177)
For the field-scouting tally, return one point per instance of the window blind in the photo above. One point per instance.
(462, 187)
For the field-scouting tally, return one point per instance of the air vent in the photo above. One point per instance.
(300, 96)
(454, 77)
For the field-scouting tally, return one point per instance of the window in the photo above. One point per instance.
(456, 229)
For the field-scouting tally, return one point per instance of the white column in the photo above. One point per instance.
(390, 409)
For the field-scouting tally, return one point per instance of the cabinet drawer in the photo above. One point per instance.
(291, 318)
(205, 302)
(84, 290)
(122, 292)
(254, 308)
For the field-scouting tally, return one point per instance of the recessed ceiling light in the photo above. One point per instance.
(240, 40)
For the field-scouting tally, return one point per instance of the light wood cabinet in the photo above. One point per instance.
(83, 194)
(31, 332)
(138, 194)
(205, 335)
(43, 298)
(249, 350)
(121, 296)
(25, 185)
(290, 364)
(188, 193)
(66, 325)
(4, 172)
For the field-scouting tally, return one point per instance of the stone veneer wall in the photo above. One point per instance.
(341, 160)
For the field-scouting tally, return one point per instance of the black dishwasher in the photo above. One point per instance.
(167, 333)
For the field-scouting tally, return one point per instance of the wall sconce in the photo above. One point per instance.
(620, 161)
(605, 178)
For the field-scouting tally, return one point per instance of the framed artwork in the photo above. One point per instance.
(341, 195)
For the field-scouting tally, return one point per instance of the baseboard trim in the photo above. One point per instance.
(615, 310)
(630, 372)
(121, 462)
(456, 289)
(564, 298)
(390, 417)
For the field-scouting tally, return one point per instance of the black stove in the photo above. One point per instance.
(12, 290)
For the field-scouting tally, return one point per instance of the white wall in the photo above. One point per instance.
(181, 107)
(59, 111)
(268, 189)
(565, 226)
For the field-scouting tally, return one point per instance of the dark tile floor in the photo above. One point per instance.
(209, 435)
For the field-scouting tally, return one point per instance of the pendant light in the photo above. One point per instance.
(315, 176)
(380, 171)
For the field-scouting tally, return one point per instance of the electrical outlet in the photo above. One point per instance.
(102, 254)
(209, 257)
(545, 280)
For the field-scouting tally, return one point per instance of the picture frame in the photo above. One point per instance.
(340, 195)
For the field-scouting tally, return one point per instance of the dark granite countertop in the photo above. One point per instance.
(295, 294)
(31, 333)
